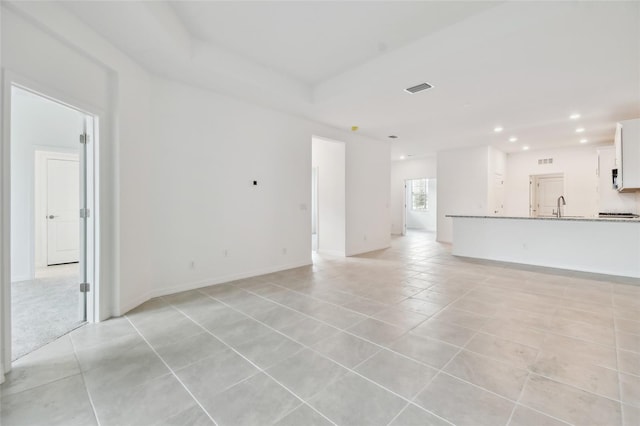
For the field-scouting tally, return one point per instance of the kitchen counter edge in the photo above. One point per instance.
(573, 219)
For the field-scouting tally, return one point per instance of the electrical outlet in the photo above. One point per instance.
(226, 252)
(284, 250)
(364, 237)
(192, 265)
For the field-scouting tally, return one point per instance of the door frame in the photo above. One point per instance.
(10, 79)
(315, 210)
(407, 199)
(533, 189)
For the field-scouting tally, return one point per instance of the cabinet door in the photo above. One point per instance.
(630, 155)
(618, 144)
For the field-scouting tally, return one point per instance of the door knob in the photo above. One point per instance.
(51, 216)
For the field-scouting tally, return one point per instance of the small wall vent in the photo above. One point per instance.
(418, 88)
(545, 161)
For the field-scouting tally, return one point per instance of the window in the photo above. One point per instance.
(419, 195)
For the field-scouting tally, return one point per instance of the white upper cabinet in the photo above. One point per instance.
(627, 142)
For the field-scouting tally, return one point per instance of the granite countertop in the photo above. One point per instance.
(566, 218)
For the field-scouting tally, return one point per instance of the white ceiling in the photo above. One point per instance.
(314, 41)
(523, 65)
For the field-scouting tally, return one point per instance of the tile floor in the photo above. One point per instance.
(405, 336)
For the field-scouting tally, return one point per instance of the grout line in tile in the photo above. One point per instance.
(172, 372)
(84, 383)
(524, 385)
(260, 369)
(332, 360)
(316, 319)
(352, 369)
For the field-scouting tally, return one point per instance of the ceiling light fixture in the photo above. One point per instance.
(580, 130)
(584, 140)
(525, 148)
(574, 116)
(513, 139)
(498, 129)
(402, 157)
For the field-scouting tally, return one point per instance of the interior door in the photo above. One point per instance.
(63, 204)
(549, 189)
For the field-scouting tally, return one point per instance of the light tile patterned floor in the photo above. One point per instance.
(405, 336)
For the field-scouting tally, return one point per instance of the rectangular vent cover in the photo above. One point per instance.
(545, 161)
(418, 88)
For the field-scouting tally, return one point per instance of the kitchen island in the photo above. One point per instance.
(605, 246)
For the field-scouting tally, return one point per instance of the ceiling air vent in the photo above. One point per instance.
(418, 88)
(545, 161)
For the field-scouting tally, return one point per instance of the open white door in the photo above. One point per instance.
(63, 205)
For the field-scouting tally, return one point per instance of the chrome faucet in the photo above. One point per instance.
(564, 203)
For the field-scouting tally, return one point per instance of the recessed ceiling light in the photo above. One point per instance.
(574, 116)
(402, 157)
(584, 140)
(498, 129)
(513, 139)
(393, 137)
(525, 148)
(580, 130)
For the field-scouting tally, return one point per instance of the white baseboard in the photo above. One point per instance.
(15, 279)
(369, 250)
(133, 304)
(205, 283)
(332, 252)
(226, 278)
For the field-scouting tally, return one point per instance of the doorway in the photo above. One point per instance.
(420, 200)
(52, 229)
(314, 209)
(328, 159)
(544, 193)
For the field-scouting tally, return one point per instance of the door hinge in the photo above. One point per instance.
(85, 213)
(84, 138)
(85, 287)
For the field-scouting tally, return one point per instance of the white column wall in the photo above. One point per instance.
(463, 187)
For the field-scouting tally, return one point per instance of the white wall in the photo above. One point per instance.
(176, 163)
(402, 171)
(329, 158)
(36, 123)
(208, 148)
(80, 68)
(462, 186)
(368, 188)
(578, 165)
(609, 199)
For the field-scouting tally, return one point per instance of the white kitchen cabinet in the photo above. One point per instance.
(627, 143)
